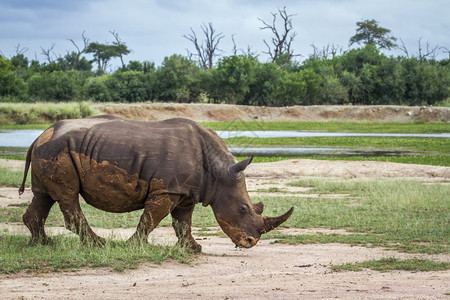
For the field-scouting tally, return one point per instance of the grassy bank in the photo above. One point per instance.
(29, 114)
(334, 126)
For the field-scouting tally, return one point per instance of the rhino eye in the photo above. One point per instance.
(243, 209)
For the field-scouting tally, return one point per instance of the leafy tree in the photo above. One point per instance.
(176, 79)
(290, 90)
(10, 84)
(57, 86)
(233, 77)
(103, 53)
(267, 77)
(370, 33)
(72, 61)
(128, 86)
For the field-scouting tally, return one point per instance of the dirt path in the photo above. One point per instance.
(270, 271)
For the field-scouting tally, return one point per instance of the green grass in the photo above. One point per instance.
(12, 178)
(412, 144)
(335, 126)
(397, 214)
(403, 215)
(42, 113)
(67, 253)
(391, 264)
(429, 151)
(434, 160)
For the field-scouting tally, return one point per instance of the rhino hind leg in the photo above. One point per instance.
(182, 222)
(77, 223)
(35, 216)
(157, 206)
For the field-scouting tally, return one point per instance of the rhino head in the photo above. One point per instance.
(238, 217)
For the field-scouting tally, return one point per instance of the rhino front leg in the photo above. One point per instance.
(77, 223)
(157, 206)
(182, 222)
(35, 216)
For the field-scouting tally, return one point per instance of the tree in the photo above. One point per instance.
(176, 79)
(207, 49)
(103, 53)
(74, 59)
(280, 52)
(121, 48)
(10, 85)
(370, 33)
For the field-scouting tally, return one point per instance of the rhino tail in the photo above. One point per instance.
(27, 167)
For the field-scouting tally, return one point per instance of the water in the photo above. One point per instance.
(307, 134)
(18, 138)
(24, 138)
(16, 142)
(278, 151)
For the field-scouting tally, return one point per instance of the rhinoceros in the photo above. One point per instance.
(119, 165)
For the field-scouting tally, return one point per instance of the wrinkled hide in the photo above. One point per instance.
(121, 165)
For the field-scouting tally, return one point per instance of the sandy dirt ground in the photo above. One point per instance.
(267, 271)
(229, 113)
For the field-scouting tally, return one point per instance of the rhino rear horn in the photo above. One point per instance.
(258, 207)
(240, 166)
(271, 223)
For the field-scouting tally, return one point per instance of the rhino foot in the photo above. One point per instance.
(191, 245)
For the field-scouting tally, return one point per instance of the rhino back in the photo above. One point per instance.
(170, 150)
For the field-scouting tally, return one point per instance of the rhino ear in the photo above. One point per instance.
(240, 166)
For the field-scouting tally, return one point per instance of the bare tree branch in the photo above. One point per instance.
(207, 49)
(428, 52)
(282, 38)
(79, 52)
(445, 50)
(19, 50)
(403, 48)
(48, 53)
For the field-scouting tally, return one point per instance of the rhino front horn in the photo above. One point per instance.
(271, 223)
(240, 166)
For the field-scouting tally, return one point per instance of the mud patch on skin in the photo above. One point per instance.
(45, 137)
(108, 187)
(102, 185)
(158, 204)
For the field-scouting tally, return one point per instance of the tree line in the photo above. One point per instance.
(330, 75)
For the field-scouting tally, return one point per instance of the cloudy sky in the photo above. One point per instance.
(153, 29)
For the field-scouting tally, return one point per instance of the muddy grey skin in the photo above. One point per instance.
(120, 165)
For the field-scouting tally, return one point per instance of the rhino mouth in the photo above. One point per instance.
(247, 242)
(237, 235)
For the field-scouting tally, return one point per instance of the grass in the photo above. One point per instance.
(434, 160)
(12, 178)
(408, 216)
(391, 264)
(42, 113)
(67, 253)
(430, 151)
(411, 144)
(334, 126)
(404, 215)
